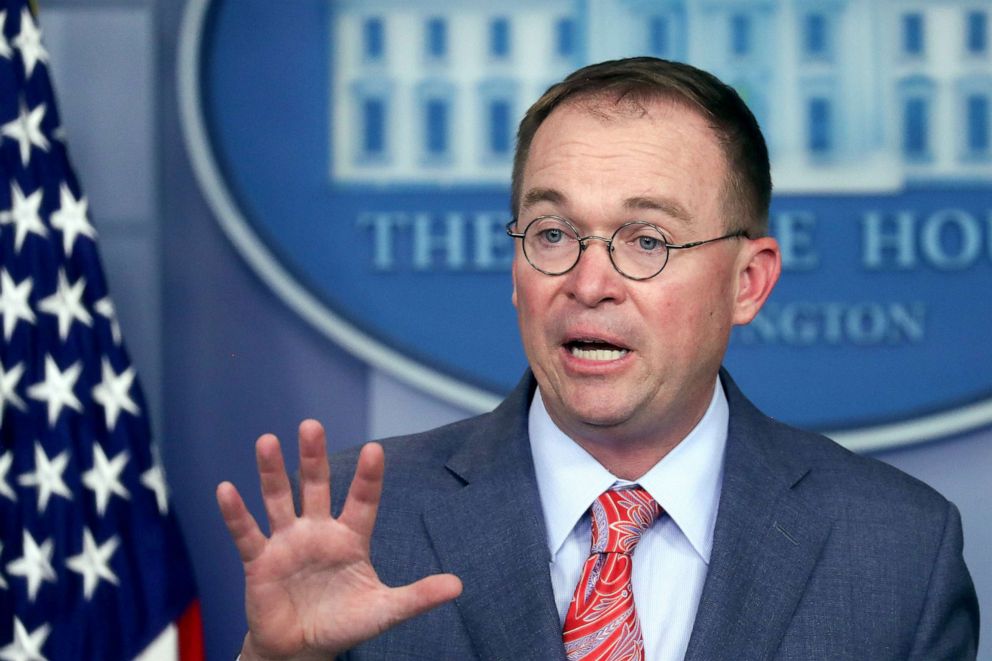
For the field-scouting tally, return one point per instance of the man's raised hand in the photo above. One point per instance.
(310, 589)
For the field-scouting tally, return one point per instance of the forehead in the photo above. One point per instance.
(596, 156)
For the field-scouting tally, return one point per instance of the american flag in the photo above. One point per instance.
(92, 565)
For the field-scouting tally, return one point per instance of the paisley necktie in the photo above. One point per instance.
(602, 623)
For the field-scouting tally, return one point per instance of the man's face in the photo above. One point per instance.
(665, 336)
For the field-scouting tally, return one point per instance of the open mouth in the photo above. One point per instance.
(596, 350)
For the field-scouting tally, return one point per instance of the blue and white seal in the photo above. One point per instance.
(358, 154)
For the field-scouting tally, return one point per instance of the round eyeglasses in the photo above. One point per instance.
(638, 250)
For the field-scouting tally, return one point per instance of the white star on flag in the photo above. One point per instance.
(8, 389)
(24, 215)
(104, 477)
(14, 304)
(154, 479)
(66, 303)
(26, 129)
(112, 392)
(71, 219)
(35, 565)
(3, 583)
(26, 646)
(57, 387)
(5, 50)
(105, 308)
(47, 476)
(93, 562)
(6, 460)
(29, 41)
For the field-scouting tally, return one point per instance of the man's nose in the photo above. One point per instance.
(594, 280)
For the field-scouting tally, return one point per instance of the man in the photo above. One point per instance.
(640, 199)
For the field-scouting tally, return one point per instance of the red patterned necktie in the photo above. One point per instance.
(601, 623)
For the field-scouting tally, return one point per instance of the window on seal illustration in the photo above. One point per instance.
(658, 36)
(978, 136)
(740, 35)
(916, 128)
(500, 116)
(373, 128)
(977, 32)
(437, 129)
(373, 39)
(437, 38)
(820, 127)
(916, 95)
(913, 34)
(499, 38)
(565, 37)
(816, 37)
(495, 129)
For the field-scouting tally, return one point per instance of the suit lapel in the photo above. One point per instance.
(765, 545)
(491, 534)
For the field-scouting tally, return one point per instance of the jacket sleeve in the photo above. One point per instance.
(948, 624)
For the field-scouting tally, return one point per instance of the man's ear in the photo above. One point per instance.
(759, 265)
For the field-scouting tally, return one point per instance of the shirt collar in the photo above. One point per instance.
(686, 483)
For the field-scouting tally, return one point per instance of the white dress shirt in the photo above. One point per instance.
(671, 560)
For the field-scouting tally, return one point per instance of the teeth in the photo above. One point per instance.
(598, 354)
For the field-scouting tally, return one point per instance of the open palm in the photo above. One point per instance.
(310, 589)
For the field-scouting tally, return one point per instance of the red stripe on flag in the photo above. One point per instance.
(190, 626)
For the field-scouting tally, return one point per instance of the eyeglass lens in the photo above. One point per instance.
(638, 250)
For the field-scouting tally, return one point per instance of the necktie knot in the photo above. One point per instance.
(619, 518)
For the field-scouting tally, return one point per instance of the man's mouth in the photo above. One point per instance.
(597, 350)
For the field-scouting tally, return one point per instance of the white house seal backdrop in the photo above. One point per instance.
(362, 169)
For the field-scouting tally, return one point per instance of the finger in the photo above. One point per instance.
(362, 503)
(276, 492)
(247, 536)
(315, 475)
(421, 596)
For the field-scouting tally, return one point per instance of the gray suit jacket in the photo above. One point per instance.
(818, 553)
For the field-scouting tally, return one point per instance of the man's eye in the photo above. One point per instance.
(648, 243)
(552, 235)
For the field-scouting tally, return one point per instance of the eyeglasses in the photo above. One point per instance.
(638, 250)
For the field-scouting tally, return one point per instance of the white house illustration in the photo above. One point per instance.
(853, 95)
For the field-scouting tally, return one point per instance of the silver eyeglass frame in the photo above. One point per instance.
(583, 242)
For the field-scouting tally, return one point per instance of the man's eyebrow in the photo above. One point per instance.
(667, 206)
(536, 195)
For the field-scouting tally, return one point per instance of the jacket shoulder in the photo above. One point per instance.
(858, 481)
(838, 481)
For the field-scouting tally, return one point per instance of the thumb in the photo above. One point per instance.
(421, 596)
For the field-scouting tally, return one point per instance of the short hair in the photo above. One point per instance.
(638, 79)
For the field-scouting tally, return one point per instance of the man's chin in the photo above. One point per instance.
(594, 416)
